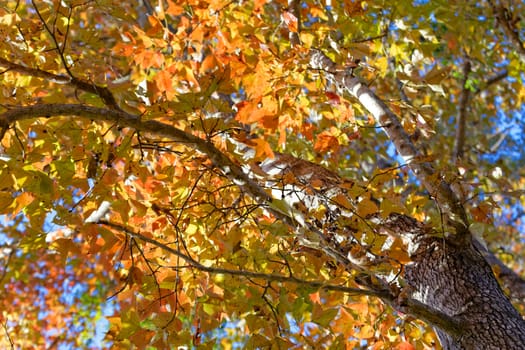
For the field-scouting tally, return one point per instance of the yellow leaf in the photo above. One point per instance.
(22, 201)
(366, 207)
(366, 331)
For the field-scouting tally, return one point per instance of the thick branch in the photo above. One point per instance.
(103, 92)
(414, 307)
(462, 113)
(124, 119)
(229, 168)
(423, 170)
(235, 173)
(509, 278)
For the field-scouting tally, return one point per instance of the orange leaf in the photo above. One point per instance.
(164, 83)
(209, 64)
(308, 131)
(22, 201)
(326, 142)
(482, 212)
(263, 149)
(405, 346)
(124, 49)
(315, 297)
(333, 98)
(257, 110)
(190, 78)
(149, 59)
(174, 9)
(344, 323)
(291, 21)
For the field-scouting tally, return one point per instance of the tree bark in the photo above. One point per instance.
(457, 281)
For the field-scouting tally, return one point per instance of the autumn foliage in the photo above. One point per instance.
(154, 106)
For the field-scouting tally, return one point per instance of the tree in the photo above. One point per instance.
(314, 173)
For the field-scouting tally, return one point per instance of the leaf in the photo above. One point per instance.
(326, 142)
(436, 75)
(22, 201)
(291, 21)
(263, 149)
(323, 317)
(366, 207)
(174, 9)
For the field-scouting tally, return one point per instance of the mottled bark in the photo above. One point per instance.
(457, 281)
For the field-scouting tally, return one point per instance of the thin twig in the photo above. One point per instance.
(243, 273)
(53, 37)
(4, 325)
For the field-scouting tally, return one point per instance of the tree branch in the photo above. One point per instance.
(431, 180)
(244, 273)
(392, 64)
(510, 279)
(53, 37)
(103, 92)
(496, 77)
(462, 113)
(35, 72)
(409, 305)
(506, 21)
(294, 7)
(287, 215)
(229, 168)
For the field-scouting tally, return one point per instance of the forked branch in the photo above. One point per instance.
(424, 171)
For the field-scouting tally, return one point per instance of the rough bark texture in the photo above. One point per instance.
(449, 282)
(459, 282)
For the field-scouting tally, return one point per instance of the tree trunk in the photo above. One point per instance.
(457, 281)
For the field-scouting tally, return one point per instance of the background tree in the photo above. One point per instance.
(269, 173)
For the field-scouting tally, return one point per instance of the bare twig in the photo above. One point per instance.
(11, 343)
(370, 38)
(493, 79)
(55, 41)
(392, 65)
